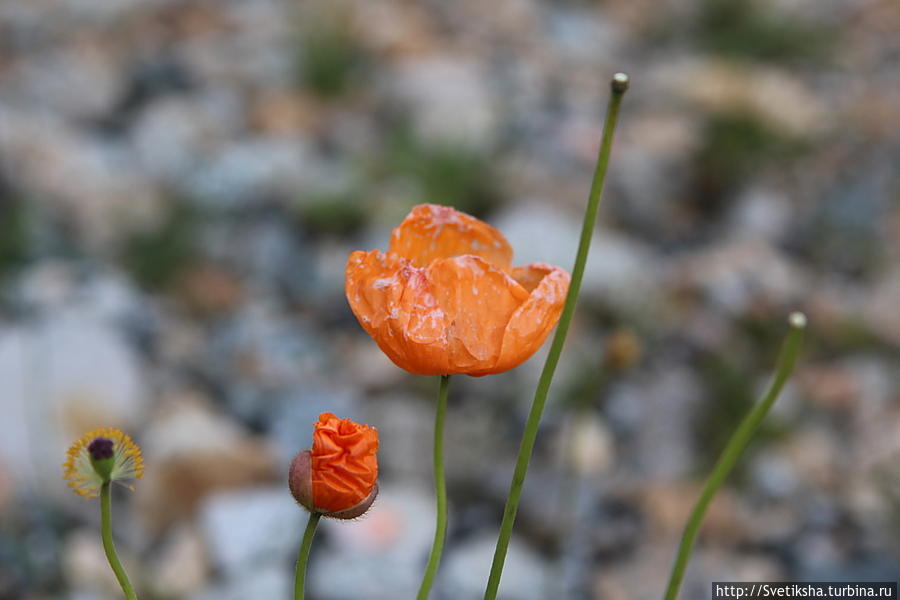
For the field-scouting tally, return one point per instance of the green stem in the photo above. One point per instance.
(303, 555)
(619, 86)
(440, 490)
(734, 449)
(108, 546)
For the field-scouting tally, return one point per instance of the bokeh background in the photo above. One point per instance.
(180, 185)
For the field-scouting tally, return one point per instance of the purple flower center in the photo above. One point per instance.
(101, 448)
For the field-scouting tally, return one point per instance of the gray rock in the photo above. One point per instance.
(580, 38)
(663, 427)
(468, 565)
(78, 80)
(111, 297)
(261, 351)
(735, 273)
(181, 567)
(620, 270)
(760, 213)
(254, 48)
(251, 529)
(449, 99)
(291, 420)
(79, 175)
(248, 171)
(172, 135)
(63, 376)
(381, 555)
(267, 581)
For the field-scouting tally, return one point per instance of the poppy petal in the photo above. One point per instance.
(479, 300)
(448, 318)
(444, 299)
(393, 302)
(431, 232)
(531, 323)
(344, 466)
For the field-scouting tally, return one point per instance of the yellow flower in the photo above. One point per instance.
(99, 456)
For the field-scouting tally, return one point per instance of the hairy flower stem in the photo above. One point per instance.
(734, 449)
(619, 86)
(440, 491)
(303, 555)
(108, 546)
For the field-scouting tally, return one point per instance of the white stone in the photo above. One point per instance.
(181, 567)
(734, 273)
(171, 134)
(63, 376)
(248, 529)
(760, 213)
(250, 169)
(379, 556)
(449, 100)
(619, 270)
(270, 581)
(78, 80)
(468, 566)
(592, 450)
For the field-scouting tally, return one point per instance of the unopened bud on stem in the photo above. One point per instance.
(337, 477)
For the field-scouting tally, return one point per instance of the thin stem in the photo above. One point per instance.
(619, 86)
(734, 449)
(108, 546)
(303, 555)
(440, 491)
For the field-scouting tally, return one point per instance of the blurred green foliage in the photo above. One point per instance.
(731, 392)
(13, 234)
(424, 172)
(29, 557)
(586, 386)
(329, 59)
(734, 146)
(753, 30)
(444, 174)
(156, 257)
(846, 232)
(340, 214)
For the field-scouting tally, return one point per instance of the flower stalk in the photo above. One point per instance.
(336, 478)
(734, 448)
(93, 463)
(303, 555)
(108, 546)
(440, 490)
(619, 86)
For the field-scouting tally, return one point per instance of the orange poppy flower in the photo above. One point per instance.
(444, 299)
(337, 476)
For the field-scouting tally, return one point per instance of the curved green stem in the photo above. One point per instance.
(619, 86)
(108, 546)
(440, 490)
(734, 449)
(303, 555)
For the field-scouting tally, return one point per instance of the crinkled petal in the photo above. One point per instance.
(393, 302)
(450, 317)
(432, 232)
(479, 300)
(344, 463)
(535, 318)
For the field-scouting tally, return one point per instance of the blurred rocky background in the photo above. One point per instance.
(180, 185)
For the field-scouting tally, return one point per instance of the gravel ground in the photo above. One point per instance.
(180, 185)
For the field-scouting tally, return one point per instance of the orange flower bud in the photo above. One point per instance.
(337, 476)
(444, 298)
